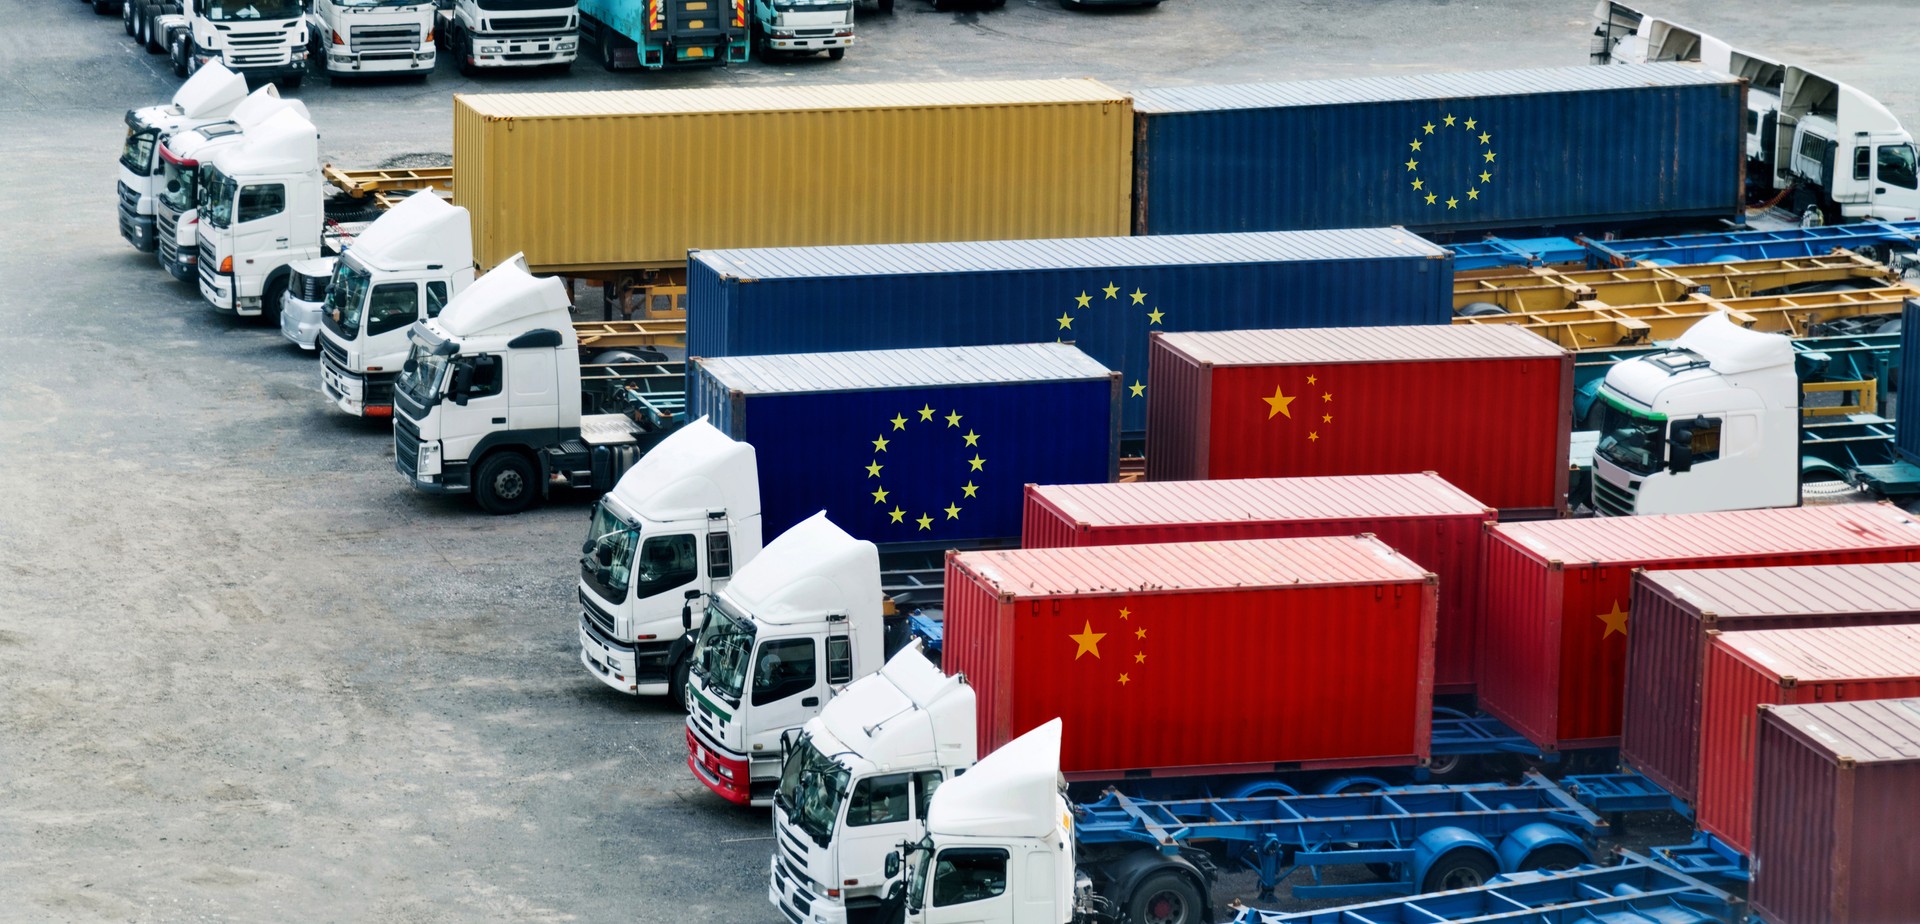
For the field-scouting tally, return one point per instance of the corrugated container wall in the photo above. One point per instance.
(1161, 658)
(630, 179)
(915, 447)
(1431, 522)
(1484, 406)
(1554, 658)
(1102, 294)
(1674, 610)
(1834, 840)
(1907, 426)
(1785, 667)
(1575, 147)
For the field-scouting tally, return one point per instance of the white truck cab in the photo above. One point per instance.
(176, 207)
(405, 267)
(674, 529)
(801, 27)
(482, 34)
(348, 37)
(207, 98)
(856, 782)
(306, 299)
(261, 210)
(264, 39)
(793, 627)
(1711, 424)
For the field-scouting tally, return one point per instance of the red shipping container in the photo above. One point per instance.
(1199, 658)
(1674, 610)
(1421, 516)
(1833, 825)
(1785, 667)
(1554, 660)
(1484, 406)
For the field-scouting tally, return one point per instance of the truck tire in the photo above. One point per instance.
(506, 483)
(103, 7)
(677, 682)
(148, 31)
(1555, 857)
(292, 81)
(835, 54)
(1458, 869)
(270, 296)
(462, 45)
(126, 16)
(606, 51)
(178, 51)
(1165, 898)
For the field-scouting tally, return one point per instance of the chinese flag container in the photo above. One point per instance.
(1421, 516)
(1249, 656)
(1554, 657)
(1786, 667)
(1674, 610)
(1484, 406)
(1833, 822)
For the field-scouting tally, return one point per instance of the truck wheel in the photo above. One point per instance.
(505, 483)
(126, 16)
(462, 45)
(606, 51)
(103, 7)
(677, 682)
(1458, 869)
(270, 296)
(835, 54)
(1164, 898)
(148, 31)
(1554, 857)
(292, 81)
(177, 51)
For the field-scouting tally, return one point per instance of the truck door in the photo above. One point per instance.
(881, 813)
(789, 687)
(1896, 188)
(478, 378)
(260, 230)
(969, 886)
(535, 391)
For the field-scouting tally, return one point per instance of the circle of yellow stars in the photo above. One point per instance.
(926, 414)
(1087, 642)
(1110, 292)
(1280, 404)
(1428, 192)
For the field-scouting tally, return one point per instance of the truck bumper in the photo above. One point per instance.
(722, 771)
(518, 51)
(362, 395)
(216, 288)
(613, 663)
(300, 322)
(180, 262)
(138, 230)
(811, 44)
(798, 900)
(413, 63)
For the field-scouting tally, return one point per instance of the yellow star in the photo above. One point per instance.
(1277, 404)
(1313, 380)
(975, 463)
(1082, 300)
(1616, 620)
(880, 496)
(1123, 680)
(1417, 183)
(880, 443)
(1486, 177)
(1470, 124)
(1326, 418)
(953, 511)
(926, 413)
(1416, 144)
(1489, 156)
(1484, 137)
(895, 514)
(968, 489)
(1124, 612)
(1430, 198)
(1473, 194)
(1088, 640)
(1449, 120)
(873, 470)
(972, 438)
(1428, 127)
(1140, 657)
(1066, 321)
(1154, 316)
(1413, 164)
(1137, 390)
(899, 421)
(1327, 397)
(1112, 290)
(1313, 437)
(953, 419)
(1452, 202)
(1139, 297)
(1139, 633)
(926, 522)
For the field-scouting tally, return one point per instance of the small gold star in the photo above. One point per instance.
(1430, 198)
(1140, 657)
(1326, 418)
(1416, 144)
(1449, 120)
(880, 496)
(1123, 680)
(1066, 321)
(1154, 316)
(972, 438)
(1413, 164)
(1137, 390)
(895, 514)
(899, 421)
(1139, 297)
(1139, 633)
(1489, 156)
(880, 443)
(1484, 137)
(926, 413)
(873, 470)
(953, 419)
(1313, 437)
(1469, 124)
(1452, 202)
(1313, 380)
(1082, 300)
(1473, 194)
(1486, 177)
(1428, 127)
(1112, 290)
(926, 522)
(968, 489)
(1327, 397)
(975, 463)
(1124, 612)
(953, 511)
(1417, 183)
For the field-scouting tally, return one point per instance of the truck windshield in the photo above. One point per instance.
(346, 299)
(812, 786)
(723, 650)
(138, 153)
(420, 378)
(178, 186)
(607, 566)
(1631, 439)
(216, 205)
(917, 876)
(252, 10)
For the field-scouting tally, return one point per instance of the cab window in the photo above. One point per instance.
(782, 668)
(483, 373)
(968, 874)
(924, 783)
(1897, 166)
(392, 307)
(878, 800)
(262, 201)
(666, 562)
(436, 298)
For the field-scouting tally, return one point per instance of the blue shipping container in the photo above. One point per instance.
(1906, 426)
(915, 447)
(1586, 147)
(1102, 294)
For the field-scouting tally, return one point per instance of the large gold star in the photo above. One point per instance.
(953, 419)
(880, 496)
(880, 443)
(969, 489)
(975, 463)
(1112, 290)
(926, 522)
(1066, 321)
(899, 421)
(1137, 390)
(1082, 300)
(896, 514)
(873, 469)
(926, 413)
(1277, 404)
(953, 511)
(1139, 297)
(1154, 316)
(1088, 640)
(1616, 620)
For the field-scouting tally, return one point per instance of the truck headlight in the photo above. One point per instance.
(427, 461)
(489, 49)
(566, 46)
(725, 771)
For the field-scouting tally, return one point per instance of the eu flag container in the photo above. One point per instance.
(1907, 427)
(914, 448)
(1103, 294)
(1572, 147)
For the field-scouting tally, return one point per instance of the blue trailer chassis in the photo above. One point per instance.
(1882, 237)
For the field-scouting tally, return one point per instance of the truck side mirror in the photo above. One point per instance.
(686, 611)
(893, 863)
(462, 383)
(1680, 450)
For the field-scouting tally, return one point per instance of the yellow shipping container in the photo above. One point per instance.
(633, 179)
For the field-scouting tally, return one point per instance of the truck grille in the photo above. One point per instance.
(599, 617)
(258, 49)
(406, 446)
(399, 39)
(334, 354)
(129, 199)
(1612, 501)
(530, 24)
(210, 276)
(168, 224)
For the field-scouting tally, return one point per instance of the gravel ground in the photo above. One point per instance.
(247, 674)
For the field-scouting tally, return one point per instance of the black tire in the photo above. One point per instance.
(835, 54)
(461, 44)
(276, 289)
(677, 682)
(1460, 868)
(292, 81)
(1555, 857)
(506, 483)
(317, 57)
(1451, 768)
(1165, 898)
(126, 16)
(177, 51)
(886, 6)
(148, 33)
(103, 7)
(606, 51)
